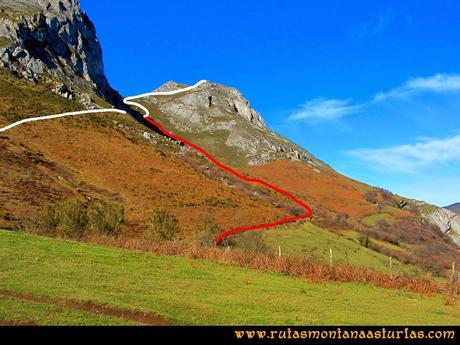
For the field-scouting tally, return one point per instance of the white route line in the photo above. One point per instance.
(127, 100)
(50, 117)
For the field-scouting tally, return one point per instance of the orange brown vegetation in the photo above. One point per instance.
(341, 203)
(320, 186)
(20, 98)
(48, 161)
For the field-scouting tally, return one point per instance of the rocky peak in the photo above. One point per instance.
(219, 96)
(54, 39)
(168, 86)
(221, 119)
(58, 7)
(235, 101)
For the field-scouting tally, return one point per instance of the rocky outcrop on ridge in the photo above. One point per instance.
(54, 41)
(219, 116)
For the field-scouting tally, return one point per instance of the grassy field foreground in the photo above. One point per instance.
(184, 291)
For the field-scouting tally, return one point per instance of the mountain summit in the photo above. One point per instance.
(222, 120)
(55, 42)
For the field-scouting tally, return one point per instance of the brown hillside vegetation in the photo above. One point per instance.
(320, 186)
(107, 157)
(97, 157)
(47, 161)
(341, 203)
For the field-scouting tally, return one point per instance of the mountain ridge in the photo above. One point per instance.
(215, 117)
(454, 207)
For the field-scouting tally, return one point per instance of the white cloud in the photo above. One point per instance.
(408, 158)
(435, 83)
(325, 109)
(321, 109)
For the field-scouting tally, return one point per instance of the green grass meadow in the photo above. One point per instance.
(308, 240)
(190, 291)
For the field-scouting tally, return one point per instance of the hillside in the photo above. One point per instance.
(182, 291)
(51, 62)
(454, 208)
(45, 162)
(221, 121)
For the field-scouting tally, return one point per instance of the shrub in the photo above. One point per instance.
(162, 226)
(364, 240)
(371, 196)
(71, 217)
(49, 218)
(383, 224)
(251, 241)
(105, 218)
(208, 230)
(387, 196)
(342, 220)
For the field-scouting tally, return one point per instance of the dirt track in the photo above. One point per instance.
(91, 307)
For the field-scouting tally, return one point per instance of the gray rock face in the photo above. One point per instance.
(63, 91)
(55, 37)
(235, 102)
(221, 119)
(220, 97)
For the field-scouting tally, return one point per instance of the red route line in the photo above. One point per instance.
(309, 211)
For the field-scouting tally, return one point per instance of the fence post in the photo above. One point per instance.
(391, 267)
(330, 257)
(279, 251)
(453, 273)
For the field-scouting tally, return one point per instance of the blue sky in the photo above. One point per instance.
(371, 88)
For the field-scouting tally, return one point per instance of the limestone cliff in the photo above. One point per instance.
(54, 41)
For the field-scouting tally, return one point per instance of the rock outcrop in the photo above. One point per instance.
(220, 118)
(446, 220)
(55, 40)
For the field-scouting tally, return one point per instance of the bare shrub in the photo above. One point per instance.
(29, 225)
(162, 226)
(291, 266)
(387, 196)
(371, 196)
(49, 218)
(383, 224)
(342, 220)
